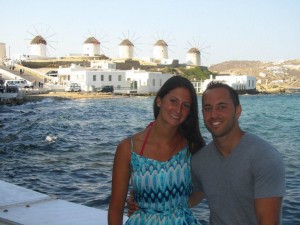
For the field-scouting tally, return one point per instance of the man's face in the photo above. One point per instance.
(219, 113)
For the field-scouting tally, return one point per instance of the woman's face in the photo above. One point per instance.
(175, 106)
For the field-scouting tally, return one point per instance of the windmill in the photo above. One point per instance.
(93, 45)
(42, 41)
(161, 47)
(126, 46)
(195, 52)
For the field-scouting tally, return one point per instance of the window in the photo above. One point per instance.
(119, 77)
(94, 77)
(153, 82)
(109, 77)
(102, 77)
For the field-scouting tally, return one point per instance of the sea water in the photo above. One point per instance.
(65, 148)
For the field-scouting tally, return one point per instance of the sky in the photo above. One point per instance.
(223, 30)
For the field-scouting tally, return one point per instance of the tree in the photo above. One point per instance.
(196, 73)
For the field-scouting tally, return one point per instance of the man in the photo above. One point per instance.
(241, 175)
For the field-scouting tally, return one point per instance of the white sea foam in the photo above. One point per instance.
(50, 138)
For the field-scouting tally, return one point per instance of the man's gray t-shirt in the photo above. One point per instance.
(254, 169)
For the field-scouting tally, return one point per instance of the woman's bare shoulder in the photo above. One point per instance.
(124, 144)
(131, 143)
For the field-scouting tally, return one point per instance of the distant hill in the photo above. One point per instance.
(280, 74)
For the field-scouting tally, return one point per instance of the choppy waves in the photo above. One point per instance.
(66, 148)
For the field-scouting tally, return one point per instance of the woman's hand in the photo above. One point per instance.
(195, 199)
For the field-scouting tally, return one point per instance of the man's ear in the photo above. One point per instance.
(238, 111)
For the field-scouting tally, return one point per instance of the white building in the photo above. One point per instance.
(198, 86)
(242, 83)
(123, 81)
(146, 82)
(168, 62)
(2, 51)
(103, 64)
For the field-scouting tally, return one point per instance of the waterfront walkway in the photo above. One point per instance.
(9, 74)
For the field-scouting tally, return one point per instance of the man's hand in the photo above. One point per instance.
(131, 204)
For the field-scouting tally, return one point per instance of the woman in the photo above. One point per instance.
(157, 160)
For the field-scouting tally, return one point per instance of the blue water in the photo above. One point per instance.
(66, 147)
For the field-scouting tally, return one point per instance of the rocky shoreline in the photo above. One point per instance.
(68, 95)
(33, 97)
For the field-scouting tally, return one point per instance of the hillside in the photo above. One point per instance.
(270, 75)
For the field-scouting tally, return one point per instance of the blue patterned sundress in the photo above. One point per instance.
(161, 190)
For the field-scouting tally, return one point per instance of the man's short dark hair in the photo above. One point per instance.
(219, 84)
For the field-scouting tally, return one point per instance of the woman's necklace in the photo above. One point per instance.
(176, 145)
(150, 126)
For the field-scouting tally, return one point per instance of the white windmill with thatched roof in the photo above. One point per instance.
(126, 46)
(94, 44)
(193, 57)
(43, 38)
(195, 52)
(126, 49)
(38, 46)
(160, 50)
(91, 47)
(161, 46)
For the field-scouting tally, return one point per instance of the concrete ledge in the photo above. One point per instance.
(23, 206)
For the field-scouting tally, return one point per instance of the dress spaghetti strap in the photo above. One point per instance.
(131, 144)
(147, 135)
